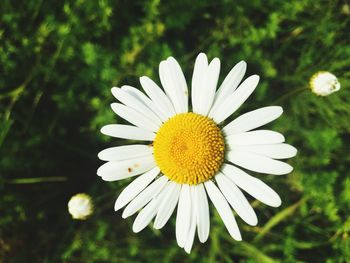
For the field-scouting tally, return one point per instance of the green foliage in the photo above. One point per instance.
(58, 61)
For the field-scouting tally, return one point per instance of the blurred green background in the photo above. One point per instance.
(58, 61)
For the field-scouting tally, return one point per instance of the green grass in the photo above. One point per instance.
(58, 61)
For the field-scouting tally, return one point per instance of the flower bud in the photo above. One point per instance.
(324, 83)
(80, 206)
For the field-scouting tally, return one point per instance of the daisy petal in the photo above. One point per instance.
(145, 216)
(145, 196)
(221, 111)
(200, 68)
(223, 209)
(128, 132)
(130, 100)
(183, 217)
(167, 205)
(117, 170)
(203, 221)
(253, 119)
(255, 137)
(135, 187)
(253, 186)
(145, 100)
(275, 151)
(236, 199)
(179, 81)
(149, 211)
(207, 92)
(192, 230)
(231, 82)
(134, 117)
(258, 163)
(125, 152)
(171, 89)
(156, 94)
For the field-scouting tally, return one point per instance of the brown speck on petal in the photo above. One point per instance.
(129, 170)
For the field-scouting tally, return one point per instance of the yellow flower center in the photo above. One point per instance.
(189, 148)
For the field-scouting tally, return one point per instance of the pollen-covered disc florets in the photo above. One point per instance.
(189, 148)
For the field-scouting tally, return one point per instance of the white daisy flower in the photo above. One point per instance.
(324, 83)
(80, 206)
(192, 155)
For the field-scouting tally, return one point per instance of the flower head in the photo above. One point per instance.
(324, 83)
(80, 206)
(192, 154)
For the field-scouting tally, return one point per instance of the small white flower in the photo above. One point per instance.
(193, 155)
(80, 206)
(324, 83)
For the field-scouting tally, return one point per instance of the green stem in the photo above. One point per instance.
(12, 93)
(289, 94)
(278, 218)
(37, 180)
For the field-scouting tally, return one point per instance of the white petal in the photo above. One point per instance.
(236, 199)
(170, 86)
(203, 221)
(198, 80)
(167, 205)
(130, 100)
(179, 81)
(192, 229)
(221, 111)
(258, 163)
(183, 217)
(145, 100)
(145, 196)
(253, 186)
(255, 137)
(231, 82)
(207, 92)
(134, 117)
(145, 216)
(128, 132)
(117, 170)
(223, 209)
(156, 94)
(253, 119)
(149, 211)
(275, 151)
(135, 187)
(125, 152)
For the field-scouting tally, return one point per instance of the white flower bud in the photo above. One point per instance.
(80, 206)
(324, 83)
